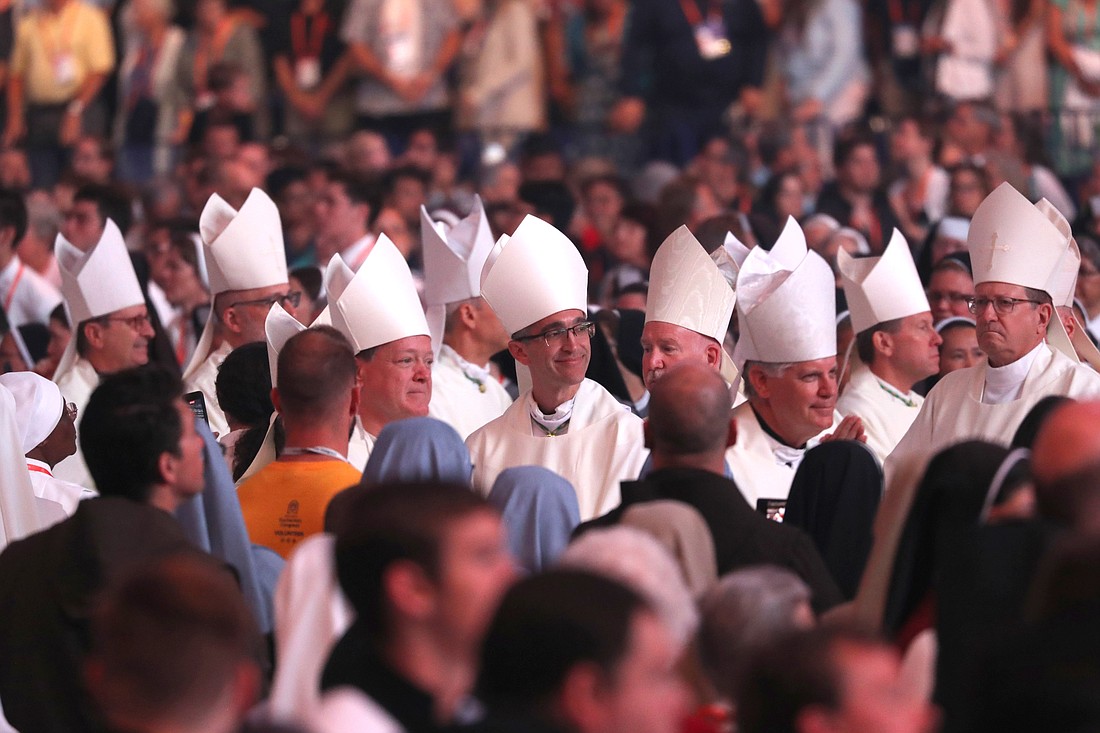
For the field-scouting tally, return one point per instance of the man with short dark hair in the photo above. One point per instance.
(856, 198)
(317, 398)
(25, 295)
(894, 338)
(138, 437)
(555, 660)
(343, 210)
(829, 680)
(424, 566)
(688, 431)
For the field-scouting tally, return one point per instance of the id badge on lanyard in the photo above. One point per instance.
(906, 41)
(711, 34)
(64, 69)
(307, 72)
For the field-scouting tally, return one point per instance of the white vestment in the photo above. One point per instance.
(27, 297)
(76, 386)
(349, 710)
(886, 412)
(604, 445)
(953, 413)
(203, 380)
(763, 467)
(464, 402)
(47, 486)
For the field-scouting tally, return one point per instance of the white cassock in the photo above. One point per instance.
(463, 395)
(886, 413)
(203, 380)
(360, 445)
(27, 297)
(604, 445)
(47, 486)
(763, 467)
(76, 386)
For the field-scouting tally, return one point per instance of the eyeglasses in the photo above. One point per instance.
(70, 410)
(293, 298)
(1003, 306)
(935, 296)
(555, 336)
(135, 322)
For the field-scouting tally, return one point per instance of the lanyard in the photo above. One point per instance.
(14, 284)
(64, 31)
(39, 469)
(309, 45)
(318, 450)
(694, 17)
(208, 50)
(897, 13)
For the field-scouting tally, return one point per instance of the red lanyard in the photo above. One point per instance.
(691, 11)
(303, 47)
(897, 13)
(14, 284)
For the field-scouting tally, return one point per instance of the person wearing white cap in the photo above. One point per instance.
(26, 296)
(787, 355)
(894, 338)
(466, 332)
(689, 306)
(47, 426)
(246, 264)
(378, 311)
(111, 327)
(1017, 254)
(566, 423)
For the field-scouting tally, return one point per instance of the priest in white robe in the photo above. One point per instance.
(787, 357)
(895, 339)
(246, 265)
(466, 332)
(111, 330)
(1019, 257)
(537, 283)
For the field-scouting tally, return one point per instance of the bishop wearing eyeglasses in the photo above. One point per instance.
(1023, 265)
(247, 266)
(564, 422)
(112, 328)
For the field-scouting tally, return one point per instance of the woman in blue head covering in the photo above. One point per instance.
(418, 449)
(540, 512)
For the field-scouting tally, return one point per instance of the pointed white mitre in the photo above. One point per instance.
(535, 273)
(99, 281)
(1011, 241)
(279, 327)
(379, 304)
(729, 258)
(336, 279)
(453, 262)
(786, 303)
(1063, 281)
(686, 289)
(882, 288)
(95, 283)
(244, 249)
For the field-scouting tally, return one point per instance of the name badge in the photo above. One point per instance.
(906, 41)
(307, 72)
(711, 39)
(64, 69)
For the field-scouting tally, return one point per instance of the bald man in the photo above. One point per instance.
(688, 431)
(1065, 462)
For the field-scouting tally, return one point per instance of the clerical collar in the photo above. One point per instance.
(1003, 384)
(554, 423)
(774, 435)
(477, 374)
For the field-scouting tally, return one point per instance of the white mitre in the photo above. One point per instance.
(454, 258)
(95, 283)
(786, 303)
(687, 289)
(535, 273)
(335, 281)
(379, 304)
(729, 258)
(1011, 241)
(883, 288)
(243, 251)
(279, 328)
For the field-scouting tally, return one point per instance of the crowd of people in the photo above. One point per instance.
(578, 366)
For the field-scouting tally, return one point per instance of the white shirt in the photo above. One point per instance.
(886, 413)
(25, 295)
(46, 486)
(464, 395)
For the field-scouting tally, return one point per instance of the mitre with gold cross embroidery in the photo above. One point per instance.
(1011, 241)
